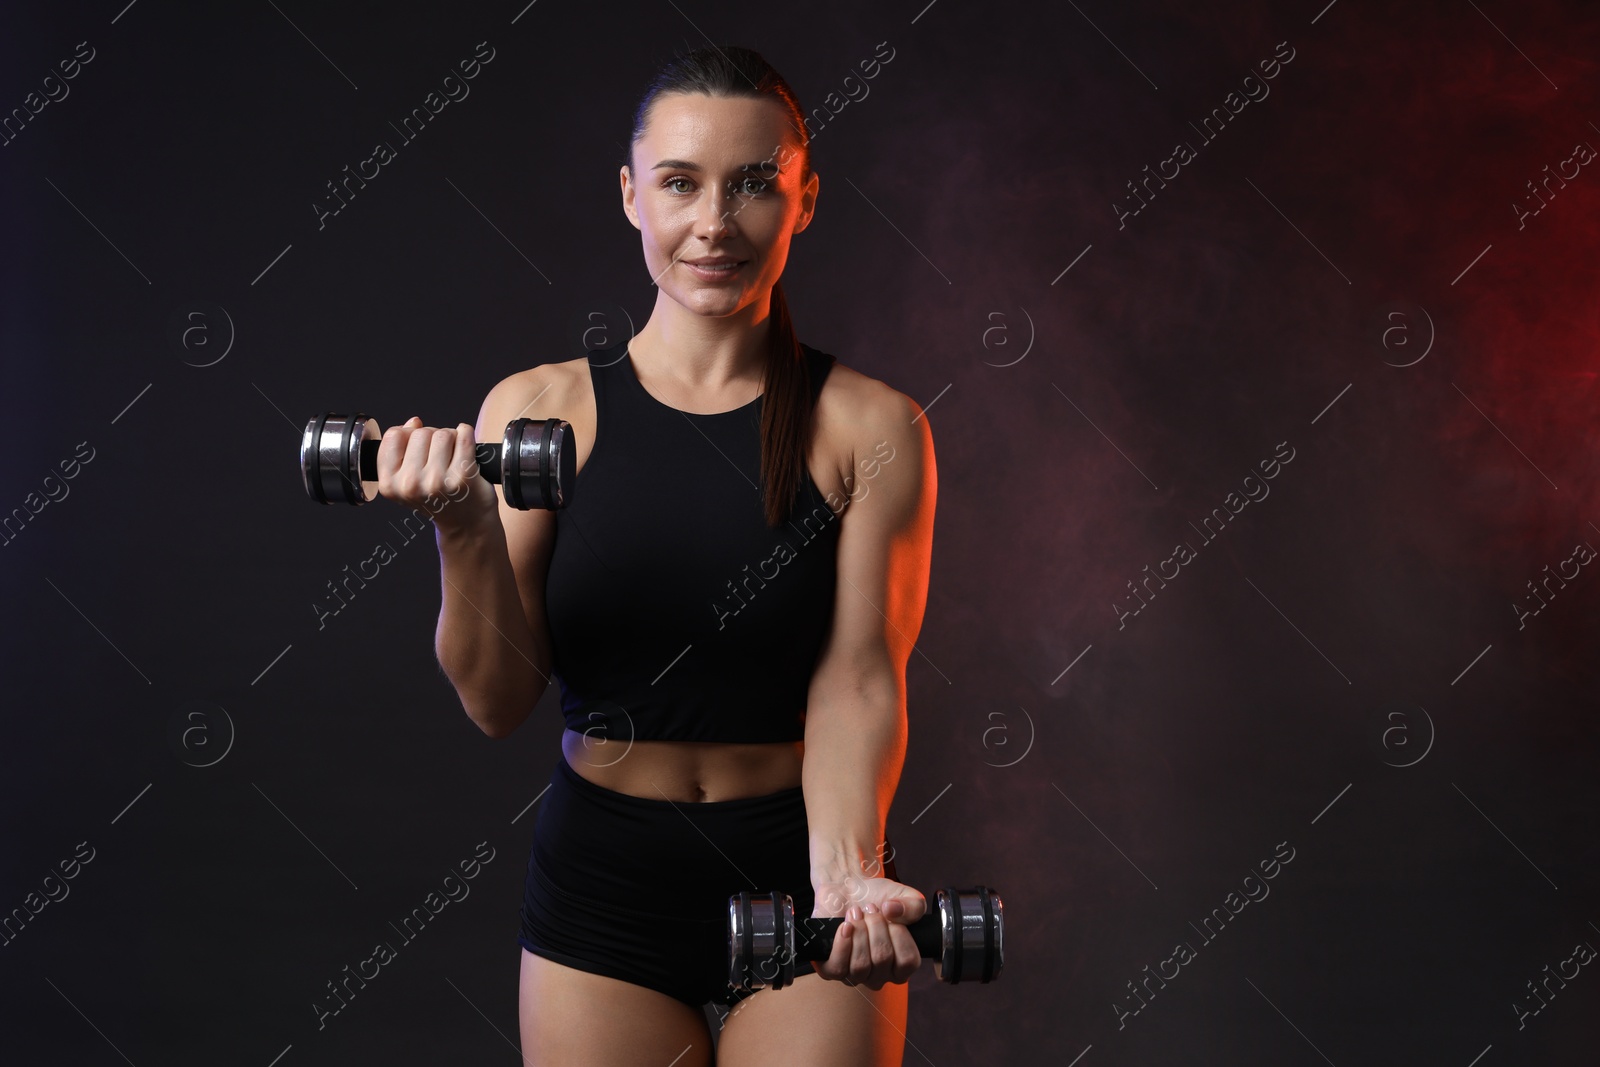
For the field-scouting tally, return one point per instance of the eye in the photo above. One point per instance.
(742, 186)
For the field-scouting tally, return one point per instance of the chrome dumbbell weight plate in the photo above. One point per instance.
(963, 932)
(330, 458)
(534, 464)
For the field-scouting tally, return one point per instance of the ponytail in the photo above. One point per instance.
(785, 414)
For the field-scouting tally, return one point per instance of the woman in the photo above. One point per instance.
(727, 604)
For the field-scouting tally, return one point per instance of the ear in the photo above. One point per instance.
(808, 201)
(627, 196)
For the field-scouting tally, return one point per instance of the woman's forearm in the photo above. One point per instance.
(854, 751)
(484, 642)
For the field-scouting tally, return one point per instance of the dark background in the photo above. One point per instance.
(1341, 670)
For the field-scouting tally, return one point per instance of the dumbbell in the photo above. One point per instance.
(963, 933)
(534, 464)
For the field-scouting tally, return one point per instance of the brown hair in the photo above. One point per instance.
(786, 405)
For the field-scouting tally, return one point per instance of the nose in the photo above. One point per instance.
(715, 219)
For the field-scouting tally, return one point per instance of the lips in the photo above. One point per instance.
(715, 269)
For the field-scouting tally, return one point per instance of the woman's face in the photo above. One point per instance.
(716, 177)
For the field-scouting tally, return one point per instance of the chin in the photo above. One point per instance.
(717, 304)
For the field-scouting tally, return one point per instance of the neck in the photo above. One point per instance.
(704, 353)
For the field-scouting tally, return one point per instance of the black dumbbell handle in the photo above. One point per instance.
(487, 453)
(813, 938)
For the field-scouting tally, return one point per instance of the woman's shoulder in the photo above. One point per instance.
(851, 396)
(864, 421)
(553, 379)
(555, 389)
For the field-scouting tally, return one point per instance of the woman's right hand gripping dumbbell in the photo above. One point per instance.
(434, 469)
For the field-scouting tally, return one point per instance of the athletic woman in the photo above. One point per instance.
(727, 605)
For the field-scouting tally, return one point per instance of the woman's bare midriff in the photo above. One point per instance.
(686, 771)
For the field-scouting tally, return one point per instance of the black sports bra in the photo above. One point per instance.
(675, 612)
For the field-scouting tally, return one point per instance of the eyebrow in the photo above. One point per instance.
(684, 164)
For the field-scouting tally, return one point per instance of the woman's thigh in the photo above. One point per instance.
(572, 1018)
(816, 1021)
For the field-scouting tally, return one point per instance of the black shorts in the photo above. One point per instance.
(637, 888)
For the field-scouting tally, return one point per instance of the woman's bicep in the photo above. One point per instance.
(530, 535)
(884, 552)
